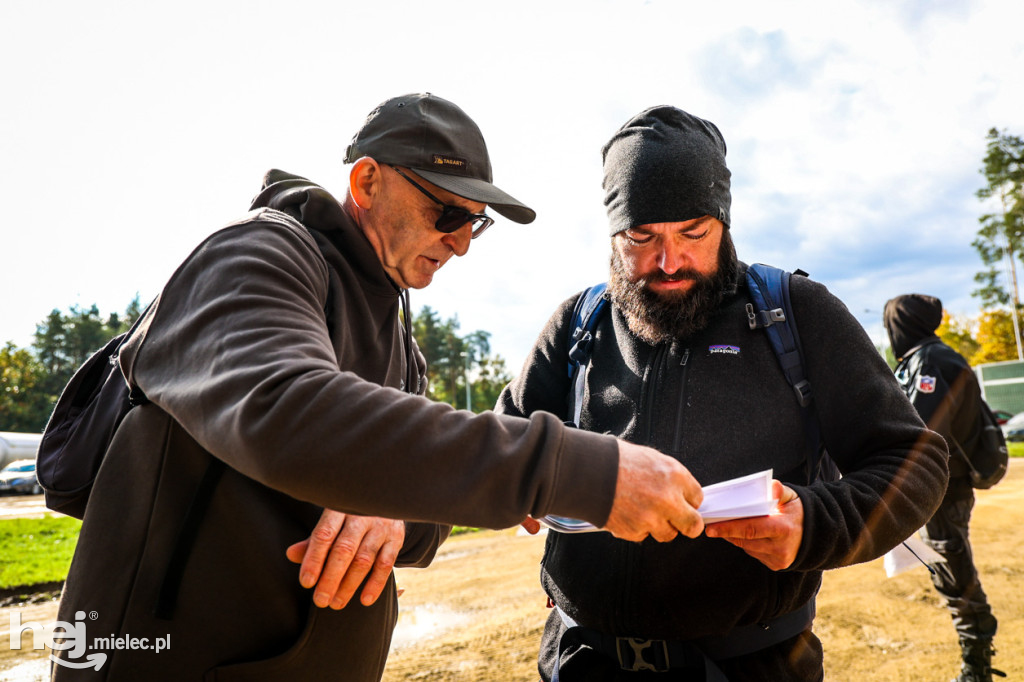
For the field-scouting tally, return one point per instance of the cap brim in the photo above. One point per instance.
(482, 191)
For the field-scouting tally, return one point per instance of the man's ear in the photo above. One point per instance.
(365, 181)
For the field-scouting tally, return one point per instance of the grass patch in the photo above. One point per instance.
(1016, 449)
(36, 551)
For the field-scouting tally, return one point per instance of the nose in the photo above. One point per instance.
(672, 256)
(458, 241)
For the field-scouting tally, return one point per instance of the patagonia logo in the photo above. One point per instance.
(449, 161)
(724, 350)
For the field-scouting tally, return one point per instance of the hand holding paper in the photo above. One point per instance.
(736, 498)
(775, 539)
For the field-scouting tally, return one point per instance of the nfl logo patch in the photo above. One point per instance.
(926, 384)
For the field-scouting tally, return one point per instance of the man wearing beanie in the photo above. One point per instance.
(945, 392)
(282, 380)
(676, 366)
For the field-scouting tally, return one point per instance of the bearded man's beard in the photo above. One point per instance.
(657, 317)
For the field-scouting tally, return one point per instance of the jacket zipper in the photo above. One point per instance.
(627, 614)
(652, 390)
(683, 364)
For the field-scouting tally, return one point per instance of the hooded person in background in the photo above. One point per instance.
(676, 366)
(944, 390)
(281, 380)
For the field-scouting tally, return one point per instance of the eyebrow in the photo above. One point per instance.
(701, 222)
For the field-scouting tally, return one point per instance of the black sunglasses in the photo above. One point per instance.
(453, 217)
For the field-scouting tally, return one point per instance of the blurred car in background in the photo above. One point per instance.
(1002, 416)
(20, 477)
(1013, 429)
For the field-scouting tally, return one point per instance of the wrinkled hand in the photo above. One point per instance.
(654, 495)
(341, 551)
(774, 540)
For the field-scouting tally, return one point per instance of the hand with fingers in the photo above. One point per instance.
(342, 551)
(774, 540)
(654, 495)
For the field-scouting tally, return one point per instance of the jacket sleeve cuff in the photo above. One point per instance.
(421, 543)
(585, 481)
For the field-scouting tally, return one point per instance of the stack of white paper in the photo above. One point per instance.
(737, 498)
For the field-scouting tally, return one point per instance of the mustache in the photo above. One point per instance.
(677, 276)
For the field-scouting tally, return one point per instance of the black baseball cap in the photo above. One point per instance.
(435, 138)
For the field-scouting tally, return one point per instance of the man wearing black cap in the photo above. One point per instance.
(945, 392)
(280, 382)
(676, 366)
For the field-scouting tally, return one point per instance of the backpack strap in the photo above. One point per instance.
(590, 306)
(770, 309)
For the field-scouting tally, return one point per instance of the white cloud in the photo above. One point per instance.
(855, 133)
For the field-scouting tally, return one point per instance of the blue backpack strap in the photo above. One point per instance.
(770, 309)
(588, 311)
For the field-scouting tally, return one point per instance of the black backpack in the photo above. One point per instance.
(83, 422)
(985, 451)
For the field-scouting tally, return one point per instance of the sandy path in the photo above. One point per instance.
(874, 629)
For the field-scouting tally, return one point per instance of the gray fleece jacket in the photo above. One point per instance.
(277, 350)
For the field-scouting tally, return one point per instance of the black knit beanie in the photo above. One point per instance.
(665, 165)
(910, 319)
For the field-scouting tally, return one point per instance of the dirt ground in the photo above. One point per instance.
(476, 614)
(484, 588)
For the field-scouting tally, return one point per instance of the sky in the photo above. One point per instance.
(855, 134)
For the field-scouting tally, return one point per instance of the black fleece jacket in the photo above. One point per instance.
(718, 402)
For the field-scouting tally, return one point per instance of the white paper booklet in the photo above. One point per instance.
(738, 498)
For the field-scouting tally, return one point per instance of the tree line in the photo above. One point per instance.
(455, 363)
(1000, 239)
(31, 379)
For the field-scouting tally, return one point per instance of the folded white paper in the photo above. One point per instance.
(737, 498)
(563, 524)
(909, 554)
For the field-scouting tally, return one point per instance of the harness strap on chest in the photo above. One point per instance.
(659, 655)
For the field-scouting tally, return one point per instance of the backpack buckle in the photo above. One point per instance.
(630, 651)
(764, 318)
(803, 393)
(580, 350)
